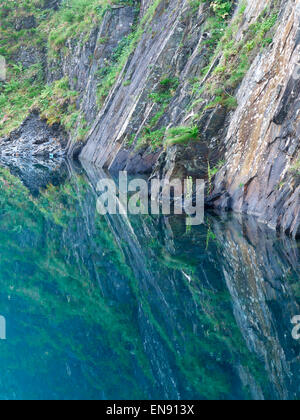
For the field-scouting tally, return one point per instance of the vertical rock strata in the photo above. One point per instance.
(231, 78)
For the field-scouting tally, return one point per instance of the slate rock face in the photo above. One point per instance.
(262, 142)
(258, 143)
(34, 138)
(166, 48)
(28, 56)
(25, 22)
(52, 4)
(85, 58)
(255, 146)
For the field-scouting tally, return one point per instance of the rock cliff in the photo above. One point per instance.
(177, 88)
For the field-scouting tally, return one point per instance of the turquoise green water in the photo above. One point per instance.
(139, 308)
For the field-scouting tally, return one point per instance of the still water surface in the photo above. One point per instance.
(139, 308)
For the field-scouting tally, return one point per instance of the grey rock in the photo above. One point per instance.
(85, 59)
(128, 106)
(52, 4)
(25, 22)
(262, 141)
(34, 138)
(28, 56)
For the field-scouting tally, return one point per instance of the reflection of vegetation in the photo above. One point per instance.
(50, 281)
(174, 262)
(210, 237)
(210, 342)
(76, 293)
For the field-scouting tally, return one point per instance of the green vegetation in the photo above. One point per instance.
(211, 172)
(230, 57)
(110, 73)
(182, 135)
(18, 95)
(25, 87)
(166, 138)
(76, 18)
(166, 90)
(217, 168)
(153, 139)
(295, 169)
(73, 19)
(57, 103)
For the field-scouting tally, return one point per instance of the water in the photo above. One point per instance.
(138, 308)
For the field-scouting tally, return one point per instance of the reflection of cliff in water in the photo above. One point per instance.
(262, 274)
(188, 277)
(36, 173)
(163, 312)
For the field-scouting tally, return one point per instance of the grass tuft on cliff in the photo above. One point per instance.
(182, 135)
